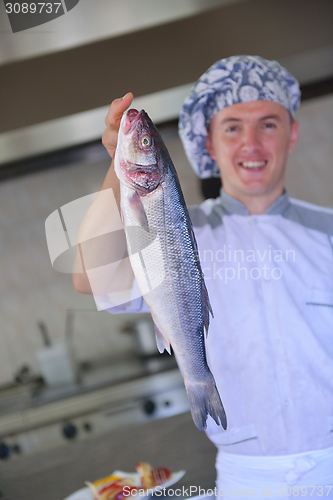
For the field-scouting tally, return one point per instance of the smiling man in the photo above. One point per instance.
(268, 270)
(268, 265)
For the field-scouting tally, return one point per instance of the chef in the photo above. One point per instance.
(268, 265)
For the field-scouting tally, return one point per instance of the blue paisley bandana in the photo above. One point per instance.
(230, 81)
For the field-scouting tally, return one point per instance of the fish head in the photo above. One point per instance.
(138, 162)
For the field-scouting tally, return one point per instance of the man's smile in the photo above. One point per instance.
(253, 165)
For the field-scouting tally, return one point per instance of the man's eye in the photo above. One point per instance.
(269, 125)
(234, 128)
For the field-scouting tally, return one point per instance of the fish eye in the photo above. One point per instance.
(145, 141)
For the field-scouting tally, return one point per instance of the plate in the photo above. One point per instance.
(86, 494)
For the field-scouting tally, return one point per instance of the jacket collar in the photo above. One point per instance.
(233, 206)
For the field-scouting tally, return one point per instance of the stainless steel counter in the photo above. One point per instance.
(92, 413)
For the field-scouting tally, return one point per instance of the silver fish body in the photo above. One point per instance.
(164, 258)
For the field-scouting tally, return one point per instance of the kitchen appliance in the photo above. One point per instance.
(145, 338)
(56, 365)
(77, 417)
(56, 361)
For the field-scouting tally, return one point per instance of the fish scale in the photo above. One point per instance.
(164, 257)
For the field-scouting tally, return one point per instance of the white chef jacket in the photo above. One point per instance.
(270, 344)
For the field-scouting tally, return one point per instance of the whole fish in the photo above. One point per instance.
(164, 257)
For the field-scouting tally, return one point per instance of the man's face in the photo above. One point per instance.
(250, 142)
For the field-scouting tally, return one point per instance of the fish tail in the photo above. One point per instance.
(205, 400)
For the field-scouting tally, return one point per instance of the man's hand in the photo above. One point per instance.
(112, 122)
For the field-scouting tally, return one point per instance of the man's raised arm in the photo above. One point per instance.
(103, 219)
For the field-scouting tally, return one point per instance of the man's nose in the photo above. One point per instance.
(251, 140)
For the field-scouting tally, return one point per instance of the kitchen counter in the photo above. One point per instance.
(173, 442)
(95, 376)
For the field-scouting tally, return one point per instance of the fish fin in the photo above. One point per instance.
(207, 308)
(161, 341)
(205, 400)
(138, 209)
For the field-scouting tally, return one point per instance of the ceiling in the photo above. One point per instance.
(92, 21)
(57, 79)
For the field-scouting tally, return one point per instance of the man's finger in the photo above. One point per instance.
(117, 109)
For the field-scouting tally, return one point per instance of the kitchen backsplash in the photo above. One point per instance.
(31, 291)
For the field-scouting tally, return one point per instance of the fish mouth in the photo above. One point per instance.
(131, 118)
(144, 181)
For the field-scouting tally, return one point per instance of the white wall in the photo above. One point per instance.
(30, 290)
(310, 167)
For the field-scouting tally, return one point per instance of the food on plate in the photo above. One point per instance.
(111, 490)
(152, 477)
(118, 486)
(164, 256)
